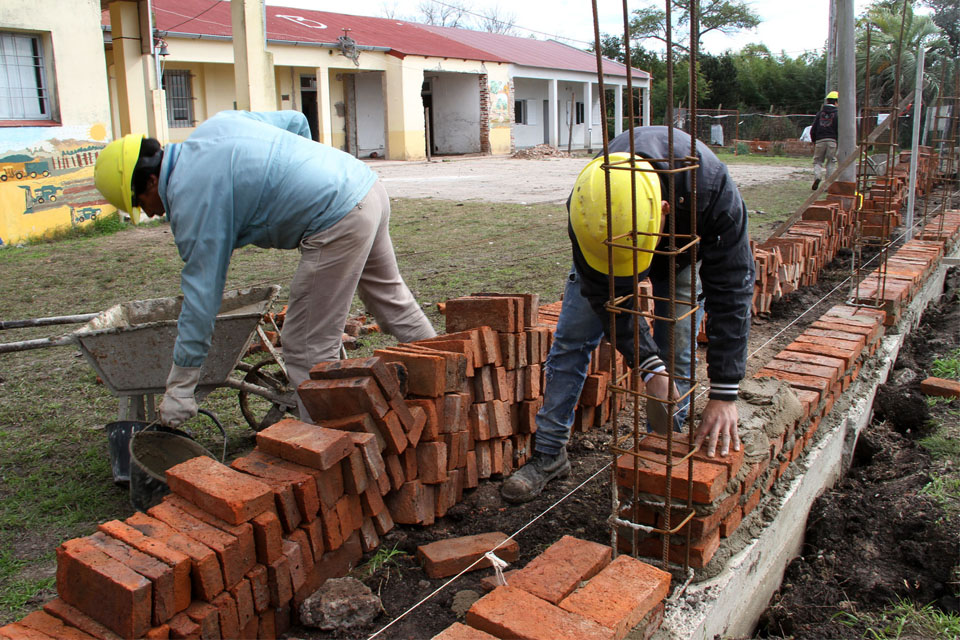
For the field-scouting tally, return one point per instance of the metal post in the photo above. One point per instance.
(915, 146)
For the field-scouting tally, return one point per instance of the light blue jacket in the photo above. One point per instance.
(247, 178)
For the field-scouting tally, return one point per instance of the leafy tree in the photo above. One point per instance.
(946, 15)
(725, 16)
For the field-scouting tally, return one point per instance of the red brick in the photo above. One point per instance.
(471, 479)
(729, 524)
(179, 563)
(798, 380)
(49, 626)
(369, 540)
(259, 588)
(182, 626)
(463, 348)
(376, 468)
(279, 583)
(499, 419)
(732, 461)
(555, 573)
(354, 473)
(448, 557)
(205, 573)
(227, 607)
(809, 399)
(754, 498)
(331, 529)
(700, 526)
(333, 564)
(445, 494)
(434, 416)
(531, 382)
(232, 556)
(304, 485)
(804, 368)
(479, 421)
(455, 365)
(507, 345)
(432, 462)
(305, 444)
(268, 537)
(413, 503)
(458, 631)
(621, 595)
(336, 398)
(159, 574)
(329, 482)
(73, 617)
(470, 336)
(701, 551)
(940, 387)
(426, 373)
(385, 376)
(242, 532)
(414, 432)
(218, 489)
(507, 612)
(252, 628)
(395, 471)
(106, 590)
(350, 514)
(267, 629)
(812, 358)
(500, 314)
(360, 423)
(242, 595)
(206, 616)
(849, 350)
(16, 631)
(456, 412)
(484, 459)
(708, 480)
(827, 323)
(392, 432)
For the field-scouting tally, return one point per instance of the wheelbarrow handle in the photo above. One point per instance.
(223, 432)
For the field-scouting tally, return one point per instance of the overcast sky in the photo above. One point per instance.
(791, 26)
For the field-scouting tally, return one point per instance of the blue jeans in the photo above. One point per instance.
(578, 333)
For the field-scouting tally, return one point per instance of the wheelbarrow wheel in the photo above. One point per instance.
(258, 411)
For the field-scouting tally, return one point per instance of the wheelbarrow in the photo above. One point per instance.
(130, 346)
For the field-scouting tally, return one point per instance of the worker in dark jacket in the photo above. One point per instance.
(824, 136)
(725, 269)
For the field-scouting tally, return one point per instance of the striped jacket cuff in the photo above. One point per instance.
(724, 390)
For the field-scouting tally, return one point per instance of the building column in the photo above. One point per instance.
(324, 117)
(645, 97)
(587, 115)
(252, 64)
(553, 111)
(618, 109)
(130, 69)
(406, 130)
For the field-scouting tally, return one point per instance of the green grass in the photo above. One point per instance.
(948, 367)
(16, 591)
(772, 203)
(904, 620)
(729, 157)
(383, 558)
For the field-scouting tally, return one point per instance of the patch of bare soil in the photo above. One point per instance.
(874, 538)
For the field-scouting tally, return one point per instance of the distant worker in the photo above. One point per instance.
(824, 135)
(258, 178)
(725, 268)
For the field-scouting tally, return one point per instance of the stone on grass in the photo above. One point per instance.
(341, 604)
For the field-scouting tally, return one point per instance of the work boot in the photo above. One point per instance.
(528, 481)
(816, 183)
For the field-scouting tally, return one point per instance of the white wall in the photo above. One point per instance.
(535, 93)
(456, 112)
(370, 114)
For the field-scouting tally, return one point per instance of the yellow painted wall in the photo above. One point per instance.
(65, 151)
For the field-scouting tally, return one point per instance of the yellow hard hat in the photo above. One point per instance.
(113, 173)
(833, 95)
(588, 213)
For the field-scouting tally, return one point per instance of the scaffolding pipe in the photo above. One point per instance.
(915, 146)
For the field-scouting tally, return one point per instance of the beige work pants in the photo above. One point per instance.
(824, 152)
(354, 255)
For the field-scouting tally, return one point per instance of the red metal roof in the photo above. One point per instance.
(212, 18)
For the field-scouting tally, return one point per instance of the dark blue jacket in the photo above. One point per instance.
(726, 260)
(825, 124)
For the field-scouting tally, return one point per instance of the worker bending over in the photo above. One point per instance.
(725, 269)
(258, 178)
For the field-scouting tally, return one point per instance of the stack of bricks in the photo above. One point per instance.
(819, 366)
(229, 553)
(892, 286)
(944, 229)
(571, 590)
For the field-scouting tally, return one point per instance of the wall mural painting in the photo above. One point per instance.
(499, 103)
(46, 179)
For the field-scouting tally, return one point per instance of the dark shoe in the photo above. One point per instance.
(528, 481)
(816, 183)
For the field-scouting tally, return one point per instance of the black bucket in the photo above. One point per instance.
(119, 435)
(151, 450)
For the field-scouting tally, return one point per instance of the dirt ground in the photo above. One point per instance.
(503, 179)
(874, 538)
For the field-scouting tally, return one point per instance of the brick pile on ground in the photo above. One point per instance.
(539, 152)
(818, 366)
(571, 590)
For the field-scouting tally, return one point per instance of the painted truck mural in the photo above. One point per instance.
(47, 182)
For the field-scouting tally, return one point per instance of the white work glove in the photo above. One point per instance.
(178, 403)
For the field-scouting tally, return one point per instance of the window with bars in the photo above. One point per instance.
(177, 83)
(23, 88)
